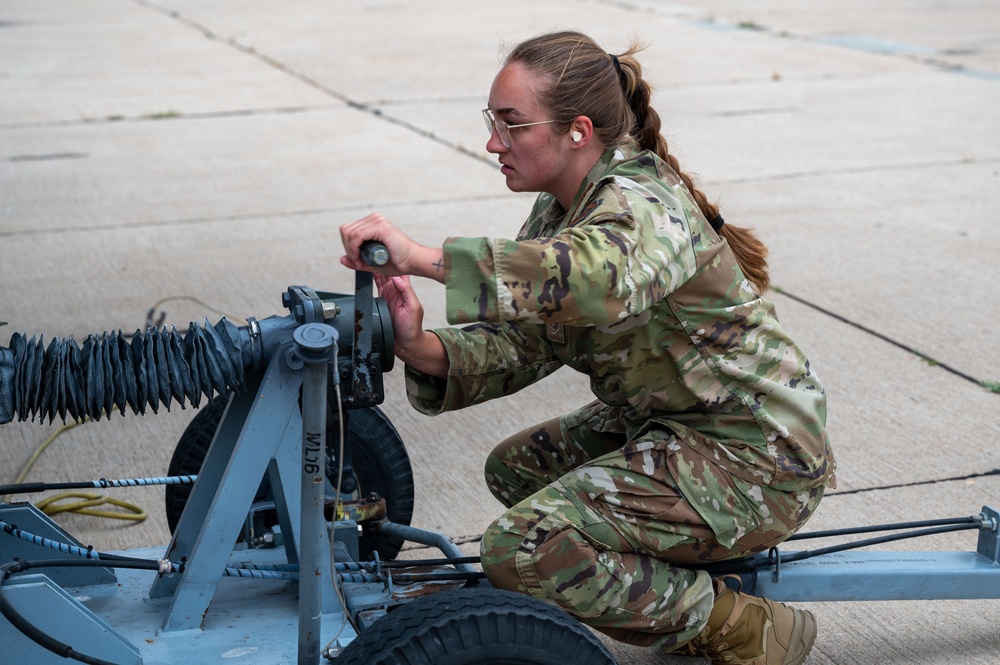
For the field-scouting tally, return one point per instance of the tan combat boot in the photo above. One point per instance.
(748, 630)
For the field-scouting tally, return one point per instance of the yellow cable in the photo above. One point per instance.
(38, 452)
(49, 505)
(90, 500)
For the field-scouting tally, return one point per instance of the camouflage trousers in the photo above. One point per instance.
(597, 525)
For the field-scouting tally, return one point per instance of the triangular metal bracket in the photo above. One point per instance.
(260, 433)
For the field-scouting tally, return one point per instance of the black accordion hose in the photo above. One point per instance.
(113, 371)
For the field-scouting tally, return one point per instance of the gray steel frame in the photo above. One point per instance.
(882, 575)
(265, 432)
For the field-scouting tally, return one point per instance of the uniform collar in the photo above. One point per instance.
(603, 169)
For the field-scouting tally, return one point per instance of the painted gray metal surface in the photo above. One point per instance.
(853, 576)
(255, 621)
(32, 520)
(45, 603)
(316, 342)
(202, 616)
(989, 536)
(237, 459)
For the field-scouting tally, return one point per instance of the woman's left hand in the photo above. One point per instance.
(418, 348)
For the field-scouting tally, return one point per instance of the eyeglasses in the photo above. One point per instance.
(503, 129)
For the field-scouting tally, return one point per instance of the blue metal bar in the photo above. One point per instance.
(316, 341)
(837, 574)
(878, 576)
(258, 425)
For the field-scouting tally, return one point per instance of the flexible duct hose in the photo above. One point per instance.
(160, 365)
(112, 371)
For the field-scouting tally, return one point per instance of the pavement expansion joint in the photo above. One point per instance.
(909, 349)
(935, 481)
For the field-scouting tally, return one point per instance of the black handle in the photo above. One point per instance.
(374, 253)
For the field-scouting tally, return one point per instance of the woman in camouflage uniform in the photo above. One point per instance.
(707, 438)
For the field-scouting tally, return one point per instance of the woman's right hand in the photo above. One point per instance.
(378, 228)
(406, 257)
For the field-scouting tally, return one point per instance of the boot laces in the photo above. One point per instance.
(701, 646)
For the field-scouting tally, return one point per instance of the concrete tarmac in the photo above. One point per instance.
(196, 157)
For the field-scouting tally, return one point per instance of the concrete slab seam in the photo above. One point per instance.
(310, 81)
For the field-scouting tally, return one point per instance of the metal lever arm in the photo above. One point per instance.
(374, 253)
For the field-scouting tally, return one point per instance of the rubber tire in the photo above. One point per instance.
(476, 626)
(378, 456)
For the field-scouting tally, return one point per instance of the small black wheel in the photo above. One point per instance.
(476, 626)
(379, 463)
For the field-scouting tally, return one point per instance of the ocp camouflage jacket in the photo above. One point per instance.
(633, 287)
